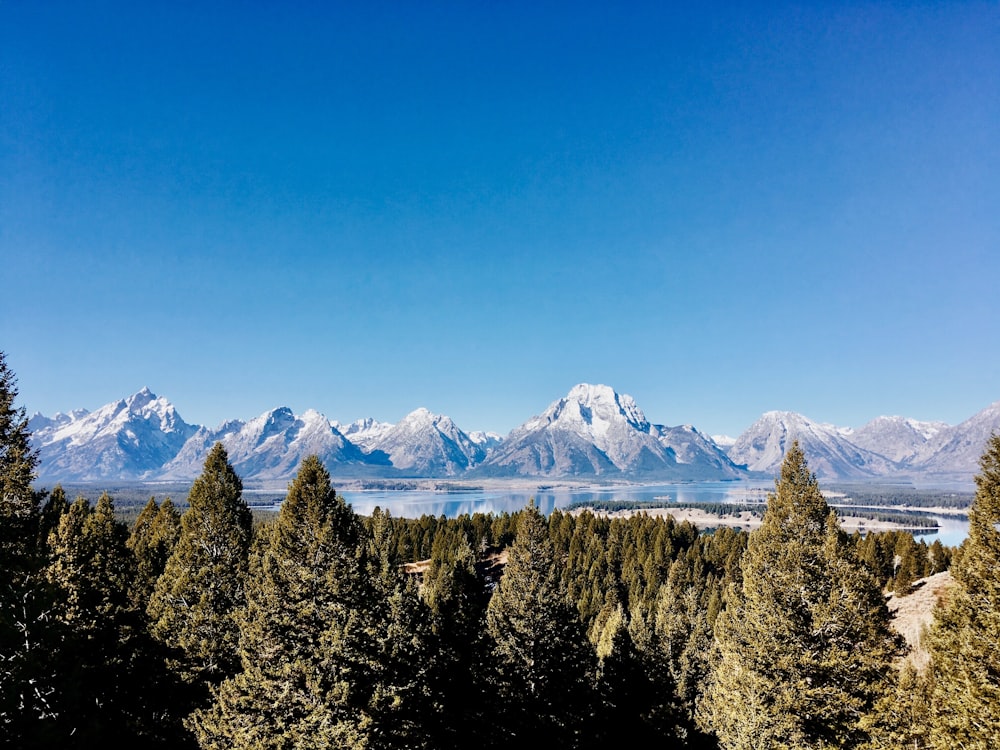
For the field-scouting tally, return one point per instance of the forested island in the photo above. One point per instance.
(212, 626)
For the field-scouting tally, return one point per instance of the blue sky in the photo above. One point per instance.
(364, 208)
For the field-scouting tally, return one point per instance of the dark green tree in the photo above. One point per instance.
(107, 672)
(457, 596)
(964, 639)
(398, 622)
(152, 540)
(305, 647)
(194, 606)
(803, 648)
(545, 666)
(27, 642)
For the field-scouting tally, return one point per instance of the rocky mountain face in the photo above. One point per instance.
(428, 445)
(131, 439)
(593, 432)
(271, 446)
(829, 451)
(955, 451)
(897, 438)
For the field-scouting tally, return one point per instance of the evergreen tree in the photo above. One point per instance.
(803, 647)
(398, 622)
(27, 641)
(56, 505)
(964, 639)
(195, 603)
(152, 540)
(107, 670)
(545, 664)
(305, 650)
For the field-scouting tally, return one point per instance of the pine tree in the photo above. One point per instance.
(456, 596)
(398, 621)
(107, 668)
(152, 540)
(545, 664)
(964, 639)
(194, 606)
(27, 642)
(304, 647)
(803, 648)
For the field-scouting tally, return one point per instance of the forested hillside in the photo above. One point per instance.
(213, 628)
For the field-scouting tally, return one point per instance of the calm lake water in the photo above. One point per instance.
(453, 503)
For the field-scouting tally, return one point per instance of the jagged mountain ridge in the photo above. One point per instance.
(594, 431)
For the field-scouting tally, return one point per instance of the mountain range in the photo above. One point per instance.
(593, 432)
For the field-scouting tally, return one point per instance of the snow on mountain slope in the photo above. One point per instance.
(128, 439)
(596, 431)
(955, 451)
(897, 438)
(270, 446)
(762, 446)
(427, 444)
(364, 433)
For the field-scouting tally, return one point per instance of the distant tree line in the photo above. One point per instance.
(204, 628)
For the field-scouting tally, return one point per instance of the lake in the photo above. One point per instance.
(510, 499)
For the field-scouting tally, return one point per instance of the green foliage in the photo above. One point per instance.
(152, 540)
(27, 672)
(194, 605)
(545, 666)
(964, 640)
(803, 648)
(305, 648)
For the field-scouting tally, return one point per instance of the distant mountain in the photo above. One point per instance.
(365, 433)
(955, 451)
(595, 431)
(272, 446)
(427, 444)
(828, 449)
(128, 439)
(897, 438)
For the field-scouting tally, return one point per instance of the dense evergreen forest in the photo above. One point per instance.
(315, 627)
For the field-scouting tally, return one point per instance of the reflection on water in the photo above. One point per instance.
(499, 500)
(415, 503)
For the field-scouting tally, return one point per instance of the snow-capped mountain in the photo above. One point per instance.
(955, 451)
(488, 440)
(896, 438)
(427, 444)
(128, 439)
(594, 430)
(828, 449)
(271, 446)
(365, 433)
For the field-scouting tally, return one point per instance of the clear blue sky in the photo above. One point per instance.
(364, 208)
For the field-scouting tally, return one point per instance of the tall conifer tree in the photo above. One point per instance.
(304, 645)
(545, 664)
(27, 643)
(964, 640)
(107, 672)
(194, 606)
(803, 648)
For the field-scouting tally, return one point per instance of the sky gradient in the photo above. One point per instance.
(365, 208)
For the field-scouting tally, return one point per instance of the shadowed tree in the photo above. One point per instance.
(545, 665)
(153, 538)
(28, 644)
(194, 606)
